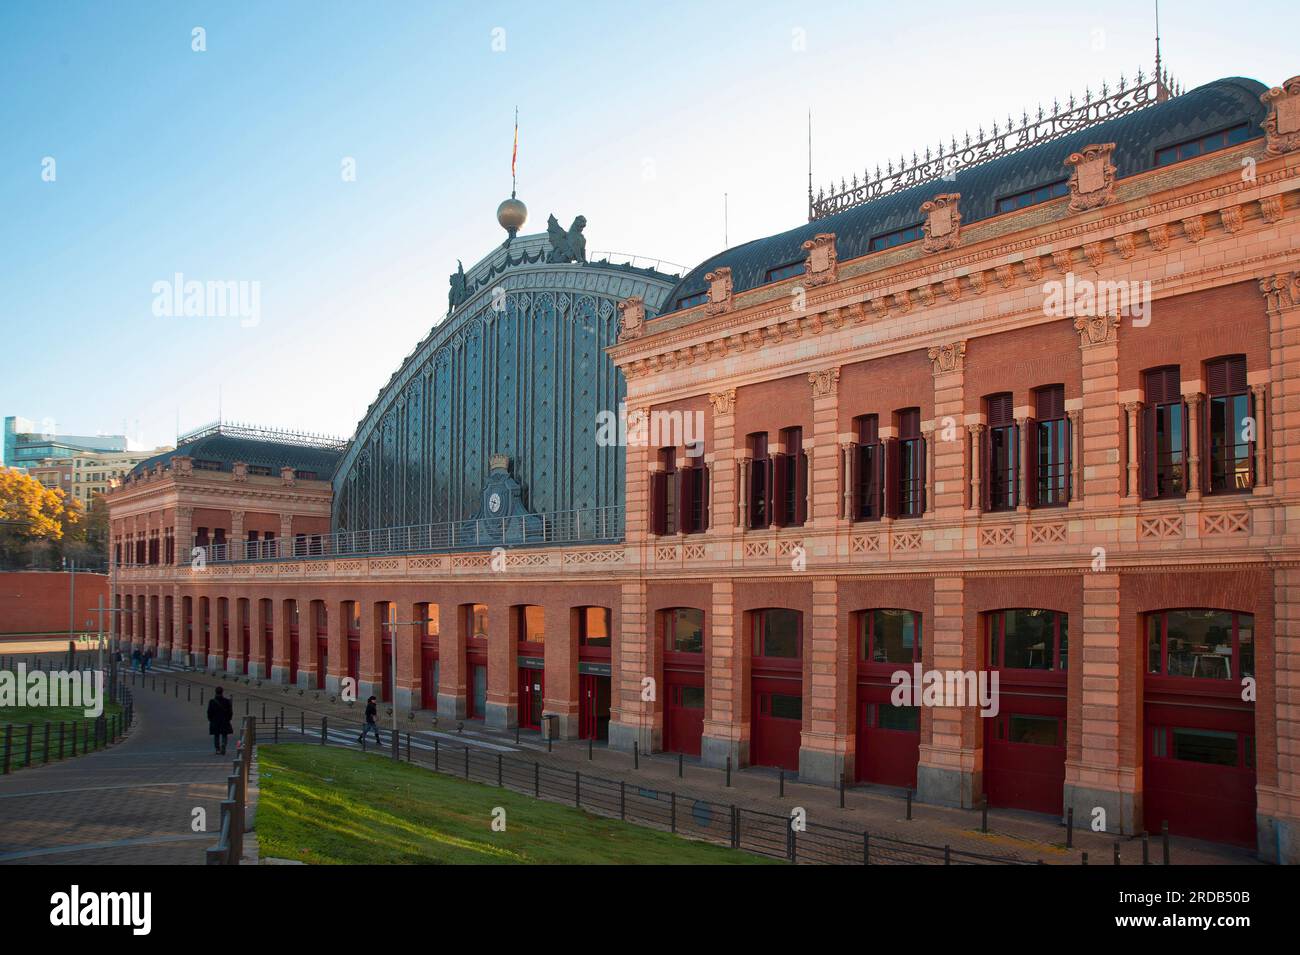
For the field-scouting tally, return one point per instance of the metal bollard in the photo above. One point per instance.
(909, 805)
(728, 772)
(866, 848)
(680, 758)
(1069, 828)
(1164, 836)
(780, 783)
(636, 755)
(1117, 852)
(841, 790)
(984, 814)
(324, 730)
(1146, 849)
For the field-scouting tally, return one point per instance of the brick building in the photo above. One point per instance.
(1016, 411)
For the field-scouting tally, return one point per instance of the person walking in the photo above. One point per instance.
(220, 712)
(147, 664)
(372, 711)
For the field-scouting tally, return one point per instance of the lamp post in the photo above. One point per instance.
(393, 625)
(99, 640)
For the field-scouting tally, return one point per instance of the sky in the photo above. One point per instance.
(340, 158)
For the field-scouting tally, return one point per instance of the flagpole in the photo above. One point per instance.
(514, 156)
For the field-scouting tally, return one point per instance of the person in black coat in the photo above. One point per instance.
(220, 712)
(372, 711)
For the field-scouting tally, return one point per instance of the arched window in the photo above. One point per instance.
(530, 624)
(593, 628)
(1164, 434)
(683, 630)
(1201, 643)
(1229, 426)
(776, 634)
(1028, 640)
(889, 636)
(1001, 447)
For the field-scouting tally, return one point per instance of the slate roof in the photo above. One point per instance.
(227, 449)
(1137, 136)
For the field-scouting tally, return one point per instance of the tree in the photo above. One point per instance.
(33, 518)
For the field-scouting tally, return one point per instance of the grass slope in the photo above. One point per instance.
(336, 806)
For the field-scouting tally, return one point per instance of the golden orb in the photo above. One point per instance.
(512, 214)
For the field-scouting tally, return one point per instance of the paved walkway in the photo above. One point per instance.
(130, 804)
(1023, 835)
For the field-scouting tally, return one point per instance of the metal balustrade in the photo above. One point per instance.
(587, 526)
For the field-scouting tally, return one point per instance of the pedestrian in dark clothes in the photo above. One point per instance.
(220, 712)
(372, 710)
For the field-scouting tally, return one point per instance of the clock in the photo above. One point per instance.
(494, 502)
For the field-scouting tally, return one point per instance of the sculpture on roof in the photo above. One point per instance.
(459, 288)
(568, 246)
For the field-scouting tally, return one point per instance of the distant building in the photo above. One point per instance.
(25, 446)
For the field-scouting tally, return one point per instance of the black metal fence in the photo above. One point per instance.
(229, 849)
(31, 743)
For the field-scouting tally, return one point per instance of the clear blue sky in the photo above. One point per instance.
(225, 164)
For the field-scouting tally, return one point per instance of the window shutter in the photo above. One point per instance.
(878, 488)
(658, 486)
(1069, 457)
(686, 500)
(776, 497)
(1031, 465)
(801, 488)
(920, 457)
(986, 467)
(704, 498)
(891, 469)
(1147, 452)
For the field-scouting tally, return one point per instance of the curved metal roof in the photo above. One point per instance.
(1137, 136)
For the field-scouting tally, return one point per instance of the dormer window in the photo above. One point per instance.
(785, 271)
(1032, 197)
(898, 237)
(690, 301)
(1203, 144)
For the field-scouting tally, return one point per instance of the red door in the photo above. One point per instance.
(476, 697)
(778, 719)
(593, 706)
(386, 680)
(684, 716)
(531, 689)
(1024, 756)
(354, 658)
(293, 655)
(322, 661)
(889, 739)
(429, 673)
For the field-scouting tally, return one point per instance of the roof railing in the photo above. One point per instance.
(595, 525)
(251, 432)
(1005, 138)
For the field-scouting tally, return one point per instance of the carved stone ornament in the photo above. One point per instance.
(1282, 124)
(1194, 228)
(719, 291)
(947, 358)
(724, 402)
(240, 471)
(1271, 208)
(182, 465)
(288, 476)
(822, 265)
(942, 222)
(825, 382)
(1281, 291)
(1096, 329)
(1125, 245)
(1092, 184)
(1231, 219)
(631, 318)
(1159, 236)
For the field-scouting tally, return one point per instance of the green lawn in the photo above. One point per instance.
(336, 806)
(64, 722)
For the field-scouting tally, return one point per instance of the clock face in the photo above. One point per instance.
(494, 502)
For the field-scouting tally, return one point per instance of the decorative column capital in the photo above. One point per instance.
(1097, 330)
(975, 429)
(1132, 407)
(825, 383)
(724, 402)
(948, 358)
(1282, 124)
(1281, 291)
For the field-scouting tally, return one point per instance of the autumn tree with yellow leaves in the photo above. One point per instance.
(34, 520)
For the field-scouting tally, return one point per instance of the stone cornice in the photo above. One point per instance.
(1115, 231)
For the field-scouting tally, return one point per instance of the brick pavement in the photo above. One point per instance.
(129, 804)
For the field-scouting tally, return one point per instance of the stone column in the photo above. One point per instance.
(1133, 410)
(258, 622)
(726, 719)
(453, 631)
(409, 676)
(286, 536)
(374, 620)
(826, 753)
(184, 535)
(848, 451)
(1022, 465)
(1104, 773)
(1259, 394)
(633, 717)
(976, 432)
(306, 641)
(1194, 488)
(948, 461)
(1076, 469)
(950, 768)
(336, 646)
(236, 543)
(1277, 790)
(560, 653)
(280, 616)
(722, 468)
(823, 463)
(503, 670)
(927, 436)
(637, 488)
